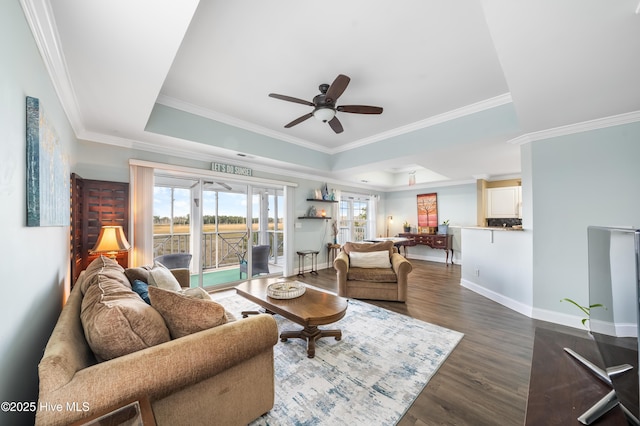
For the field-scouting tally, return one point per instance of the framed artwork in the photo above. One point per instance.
(47, 171)
(428, 210)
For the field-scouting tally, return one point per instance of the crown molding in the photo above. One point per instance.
(235, 122)
(431, 121)
(585, 126)
(40, 18)
(175, 148)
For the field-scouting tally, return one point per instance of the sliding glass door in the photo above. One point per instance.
(209, 218)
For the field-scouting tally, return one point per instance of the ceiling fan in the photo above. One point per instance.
(325, 107)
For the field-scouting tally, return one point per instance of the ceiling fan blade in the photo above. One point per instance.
(360, 109)
(299, 120)
(336, 125)
(290, 99)
(337, 88)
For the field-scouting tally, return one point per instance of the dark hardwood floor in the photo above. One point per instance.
(485, 380)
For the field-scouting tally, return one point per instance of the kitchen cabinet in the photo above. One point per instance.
(504, 202)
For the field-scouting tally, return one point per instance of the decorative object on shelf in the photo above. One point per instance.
(312, 212)
(428, 210)
(323, 213)
(286, 289)
(325, 192)
(317, 194)
(444, 227)
(407, 226)
(111, 241)
(332, 195)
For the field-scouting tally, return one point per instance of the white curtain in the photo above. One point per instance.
(373, 216)
(141, 201)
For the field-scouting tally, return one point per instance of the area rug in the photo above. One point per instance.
(370, 377)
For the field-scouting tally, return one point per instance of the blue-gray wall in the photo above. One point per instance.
(589, 178)
(35, 261)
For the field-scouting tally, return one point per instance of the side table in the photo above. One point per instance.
(302, 254)
(131, 412)
(332, 252)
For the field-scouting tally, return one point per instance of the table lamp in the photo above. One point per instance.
(111, 241)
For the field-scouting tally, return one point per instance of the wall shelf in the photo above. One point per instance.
(314, 217)
(322, 201)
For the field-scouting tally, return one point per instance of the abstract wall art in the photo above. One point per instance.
(47, 171)
(428, 210)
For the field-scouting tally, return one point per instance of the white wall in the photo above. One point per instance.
(498, 265)
(35, 260)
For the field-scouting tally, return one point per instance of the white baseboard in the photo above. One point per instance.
(574, 321)
(440, 259)
(498, 298)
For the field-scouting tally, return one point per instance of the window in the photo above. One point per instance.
(355, 218)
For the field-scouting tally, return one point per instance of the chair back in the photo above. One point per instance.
(260, 260)
(175, 260)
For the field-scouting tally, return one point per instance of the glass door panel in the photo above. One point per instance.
(224, 232)
(171, 216)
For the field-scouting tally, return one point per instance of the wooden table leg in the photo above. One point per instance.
(310, 334)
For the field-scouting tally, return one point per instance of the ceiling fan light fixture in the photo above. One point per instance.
(324, 114)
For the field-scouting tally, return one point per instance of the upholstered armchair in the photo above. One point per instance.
(372, 271)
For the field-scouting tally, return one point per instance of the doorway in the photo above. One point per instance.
(209, 219)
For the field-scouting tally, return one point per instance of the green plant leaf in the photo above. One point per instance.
(584, 309)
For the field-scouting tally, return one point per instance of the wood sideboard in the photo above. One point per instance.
(435, 241)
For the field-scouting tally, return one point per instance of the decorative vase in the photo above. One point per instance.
(443, 229)
(407, 229)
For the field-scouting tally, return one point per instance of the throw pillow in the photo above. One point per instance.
(372, 259)
(365, 247)
(140, 273)
(142, 289)
(116, 321)
(161, 277)
(103, 266)
(185, 315)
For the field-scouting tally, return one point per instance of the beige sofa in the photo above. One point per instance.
(223, 374)
(367, 280)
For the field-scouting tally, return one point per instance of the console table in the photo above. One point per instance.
(435, 241)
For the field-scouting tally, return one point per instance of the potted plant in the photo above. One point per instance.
(444, 227)
(585, 309)
(407, 226)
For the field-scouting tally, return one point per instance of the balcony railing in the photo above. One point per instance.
(219, 249)
(354, 234)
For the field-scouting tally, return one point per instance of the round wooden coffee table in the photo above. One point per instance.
(312, 309)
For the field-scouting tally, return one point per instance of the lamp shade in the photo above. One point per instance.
(111, 241)
(324, 114)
